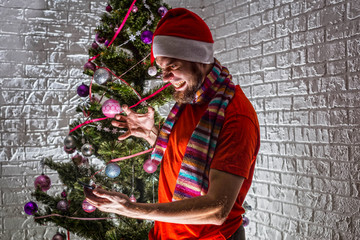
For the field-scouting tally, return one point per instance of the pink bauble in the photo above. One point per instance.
(132, 198)
(43, 182)
(88, 207)
(149, 166)
(110, 108)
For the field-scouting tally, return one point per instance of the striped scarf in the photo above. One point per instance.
(193, 179)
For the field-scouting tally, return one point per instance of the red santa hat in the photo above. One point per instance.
(182, 34)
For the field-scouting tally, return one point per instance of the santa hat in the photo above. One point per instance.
(182, 34)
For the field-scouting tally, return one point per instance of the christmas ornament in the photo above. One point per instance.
(149, 166)
(69, 142)
(107, 43)
(152, 71)
(59, 236)
(69, 150)
(246, 221)
(94, 45)
(134, 9)
(99, 38)
(112, 170)
(146, 37)
(162, 11)
(108, 8)
(62, 205)
(83, 90)
(110, 108)
(90, 65)
(43, 182)
(101, 76)
(63, 194)
(132, 198)
(88, 207)
(87, 150)
(79, 160)
(30, 208)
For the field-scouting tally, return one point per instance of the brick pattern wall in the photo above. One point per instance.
(297, 61)
(43, 46)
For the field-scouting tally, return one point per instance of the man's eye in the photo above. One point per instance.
(173, 66)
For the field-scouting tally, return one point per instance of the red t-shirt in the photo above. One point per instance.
(235, 153)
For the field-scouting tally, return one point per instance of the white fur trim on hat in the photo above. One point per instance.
(183, 48)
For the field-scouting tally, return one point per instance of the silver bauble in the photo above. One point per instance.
(101, 76)
(87, 150)
(69, 142)
(152, 71)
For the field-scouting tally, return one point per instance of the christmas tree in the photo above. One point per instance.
(119, 69)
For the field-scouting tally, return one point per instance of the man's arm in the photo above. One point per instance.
(212, 208)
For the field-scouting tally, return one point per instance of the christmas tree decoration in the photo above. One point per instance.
(134, 9)
(246, 221)
(87, 150)
(87, 207)
(70, 142)
(90, 65)
(112, 170)
(107, 42)
(79, 160)
(30, 208)
(110, 108)
(101, 76)
(149, 166)
(63, 194)
(59, 236)
(146, 37)
(94, 45)
(132, 198)
(69, 150)
(152, 71)
(108, 8)
(99, 38)
(63, 205)
(162, 11)
(43, 182)
(83, 90)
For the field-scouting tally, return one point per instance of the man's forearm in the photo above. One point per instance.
(199, 210)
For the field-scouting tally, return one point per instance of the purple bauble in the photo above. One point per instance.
(149, 166)
(63, 205)
(99, 38)
(108, 8)
(246, 221)
(134, 9)
(30, 208)
(88, 207)
(107, 42)
(146, 37)
(83, 90)
(90, 65)
(162, 11)
(69, 150)
(63, 194)
(59, 236)
(94, 45)
(43, 182)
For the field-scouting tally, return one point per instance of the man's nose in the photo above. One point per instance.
(167, 76)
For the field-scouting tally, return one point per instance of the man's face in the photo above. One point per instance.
(186, 77)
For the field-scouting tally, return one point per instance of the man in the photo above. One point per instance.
(207, 146)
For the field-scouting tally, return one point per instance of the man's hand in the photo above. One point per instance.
(107, 201)
(137, 125)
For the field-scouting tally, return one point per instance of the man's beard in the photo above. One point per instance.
(188, 95)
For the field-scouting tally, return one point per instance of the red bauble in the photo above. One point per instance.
(108, 8)
(88, 207)
(59, 236)
(90, 65)
(149, 166)
(43, 182)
